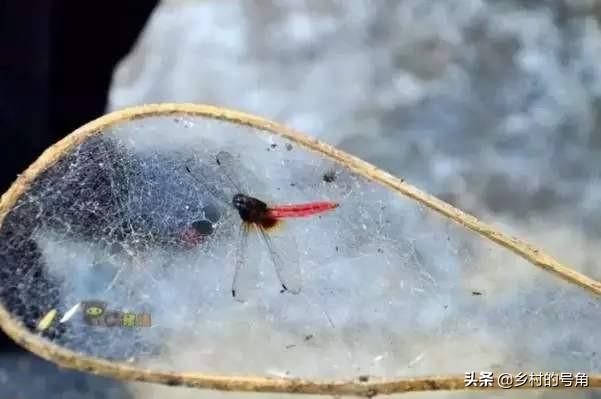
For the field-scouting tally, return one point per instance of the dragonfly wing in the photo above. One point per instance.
(239, 262)
(230, 167)
(203, 176)
(284, 254)
(236, 175)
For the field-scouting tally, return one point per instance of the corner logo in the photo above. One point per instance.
(96, 313)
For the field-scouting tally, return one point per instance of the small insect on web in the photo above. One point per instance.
(258, 216)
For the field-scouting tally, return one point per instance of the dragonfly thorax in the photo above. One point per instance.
(251, 210)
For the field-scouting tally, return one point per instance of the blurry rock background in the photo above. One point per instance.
(494, 106)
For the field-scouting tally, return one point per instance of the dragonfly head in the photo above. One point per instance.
(239, 201)
(251, 210)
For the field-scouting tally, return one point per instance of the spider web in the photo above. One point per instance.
(384, 281)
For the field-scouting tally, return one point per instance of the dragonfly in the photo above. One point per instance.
(228, 188)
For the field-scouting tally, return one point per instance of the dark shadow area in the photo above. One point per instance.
(56, 65)
(23, 375)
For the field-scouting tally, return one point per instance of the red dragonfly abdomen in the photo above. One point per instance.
(300, 210)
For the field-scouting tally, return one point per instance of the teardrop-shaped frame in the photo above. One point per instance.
(357, 387)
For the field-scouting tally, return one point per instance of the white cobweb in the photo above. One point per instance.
(388, 288)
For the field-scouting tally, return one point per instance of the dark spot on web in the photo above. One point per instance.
(290, 346)
(203, 227)
(289, 147)
(380, 250)
(476, 293)
(292, 184)
(363, 378)
(329, 176)
(308, 337)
